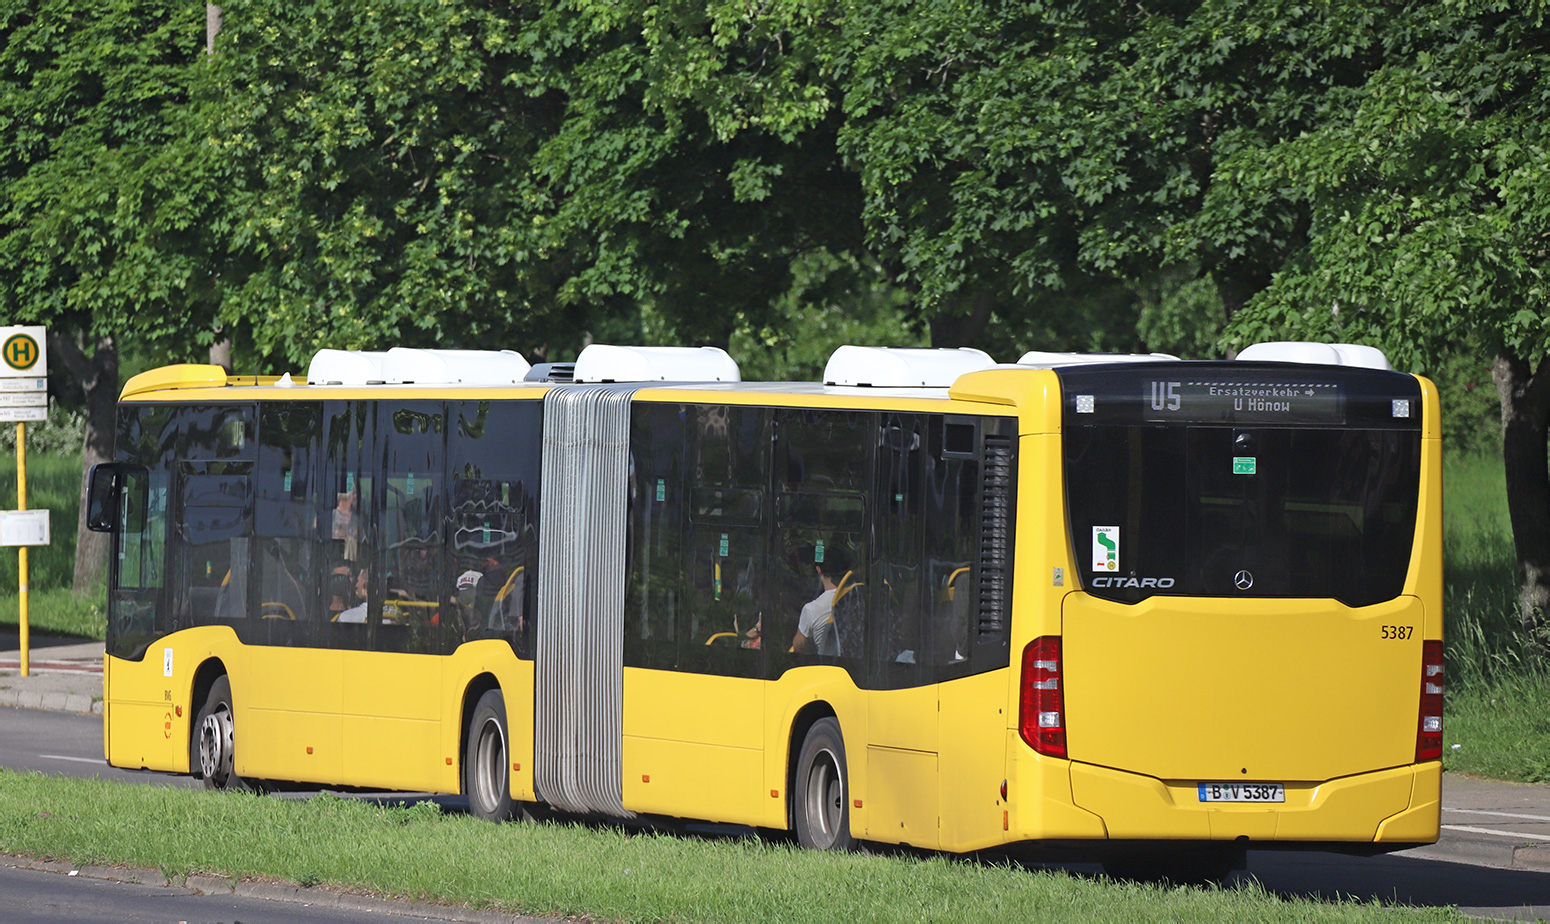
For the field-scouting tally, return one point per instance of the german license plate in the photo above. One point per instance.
(1242, 792)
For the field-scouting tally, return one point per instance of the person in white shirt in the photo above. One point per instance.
(815, 629)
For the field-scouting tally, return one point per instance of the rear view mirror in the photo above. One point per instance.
(104, 487)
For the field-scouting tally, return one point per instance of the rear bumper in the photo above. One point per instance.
(1387, 809)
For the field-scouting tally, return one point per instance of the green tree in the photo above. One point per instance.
(1428, 187)
(101, 204)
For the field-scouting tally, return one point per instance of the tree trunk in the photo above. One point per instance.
(98, 375)
(1525, 400)
(955, 330)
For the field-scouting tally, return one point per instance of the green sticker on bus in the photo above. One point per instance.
(1244, 465)
(723, 545)
(818, 552)
(661, 489)
(411, 484)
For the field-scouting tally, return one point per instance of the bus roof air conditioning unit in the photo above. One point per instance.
(456, 367)
(402, 365)
(1040, 359)
(902, 367)
(347, 367)
(602, 363)
(1323, 354)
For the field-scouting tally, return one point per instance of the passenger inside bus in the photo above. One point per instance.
(357, 613)
(816, 632)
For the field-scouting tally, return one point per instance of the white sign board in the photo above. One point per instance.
(23, 527)
(23, 352)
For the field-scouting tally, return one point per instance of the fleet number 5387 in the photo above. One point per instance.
(1398, 632)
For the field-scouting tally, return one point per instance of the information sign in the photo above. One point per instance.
(23, 527)
(23, 374)
(23, 352)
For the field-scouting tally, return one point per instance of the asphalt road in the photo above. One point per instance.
(1493, 859)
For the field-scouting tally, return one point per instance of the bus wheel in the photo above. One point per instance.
(486, 767)
(821, 790)
(213, 746)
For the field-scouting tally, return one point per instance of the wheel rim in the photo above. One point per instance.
(489, 766)
(825, 799)
(215, 745)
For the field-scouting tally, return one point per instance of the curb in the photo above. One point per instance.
(272, 890)
(53, 702)
(1496, 853)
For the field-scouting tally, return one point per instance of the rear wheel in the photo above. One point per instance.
(486, 777)
(212, 748)
(821, 790)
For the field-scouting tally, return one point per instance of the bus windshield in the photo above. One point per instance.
(1242, 480)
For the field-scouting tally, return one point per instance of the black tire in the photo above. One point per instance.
(820, 794)
(212, 744)
(487, 761)
(1182, 864)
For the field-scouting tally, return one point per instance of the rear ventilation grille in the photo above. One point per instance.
(563, 373)
(995, 537)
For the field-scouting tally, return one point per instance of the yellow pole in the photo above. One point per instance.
(21, 550)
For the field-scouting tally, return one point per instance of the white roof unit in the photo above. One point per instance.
(603, 363)
(466, 367)
(1324, 354)
(346, 367)
(423, 367)
(1040, 359)
(902, 367)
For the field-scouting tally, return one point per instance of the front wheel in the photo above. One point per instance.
(821, 790)
(212, 749)
(486, 779)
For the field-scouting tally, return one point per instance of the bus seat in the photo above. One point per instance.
(275, 610)
(850, 616)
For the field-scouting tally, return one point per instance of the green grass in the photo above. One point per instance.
(600, 872)
(1500, 730)
(1482, 631)
(57, 612)
(53, 484)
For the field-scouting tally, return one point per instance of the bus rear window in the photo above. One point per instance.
(1289, 507)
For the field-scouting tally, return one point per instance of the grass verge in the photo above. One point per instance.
(57, 612)
(1500, 730)
(600, 872)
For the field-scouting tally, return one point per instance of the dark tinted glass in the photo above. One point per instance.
(289, 607)
(658, 517)
(729, 454)
(346, 529)
(147, 435)
(1209, 505)
(824, 470)
(409, 536)
(492, 496)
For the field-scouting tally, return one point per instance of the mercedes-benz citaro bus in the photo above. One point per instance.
(1133, 609)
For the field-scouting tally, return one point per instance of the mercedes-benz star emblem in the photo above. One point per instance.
(1243, 580)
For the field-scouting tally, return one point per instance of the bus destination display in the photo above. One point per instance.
(1242, 402)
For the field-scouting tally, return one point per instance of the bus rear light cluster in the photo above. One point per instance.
(1428, 736)
(1042, 711)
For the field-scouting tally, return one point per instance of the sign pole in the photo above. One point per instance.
(21, 550)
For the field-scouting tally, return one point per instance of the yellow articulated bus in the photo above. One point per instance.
(1134, 609)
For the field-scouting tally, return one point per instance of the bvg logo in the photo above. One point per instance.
(20, 351)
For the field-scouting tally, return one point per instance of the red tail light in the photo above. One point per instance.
(1428, 736)
(1042, 716)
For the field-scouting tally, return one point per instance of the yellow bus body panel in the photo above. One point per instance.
(1211, 689)
(1350, 809)
(693, 744)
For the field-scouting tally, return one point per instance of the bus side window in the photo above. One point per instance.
(490, 574)
(729, 473)
(824, 482)
(658, 511)
(901, 534)
(344, 526)
(284, 558)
